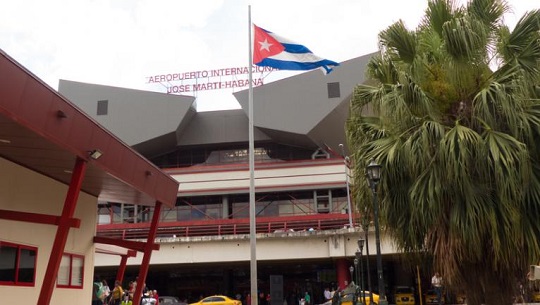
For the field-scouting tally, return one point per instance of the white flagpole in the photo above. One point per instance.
(252, 210)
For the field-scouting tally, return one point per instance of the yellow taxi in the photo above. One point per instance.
(346, 299)
(217, 300)
(404, 295)
(366, 294)
(536, 296)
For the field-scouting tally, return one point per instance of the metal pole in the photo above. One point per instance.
(367, 259)
(362, 276)
(357, 288)
(252, 203)
(356, 269)
(419, 284)
(349, 206)
(382, 294)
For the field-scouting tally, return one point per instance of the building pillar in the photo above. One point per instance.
(225, 207)
(149, 247)
(342, 273)
(62, 232)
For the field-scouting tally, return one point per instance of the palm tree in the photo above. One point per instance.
(452, 112)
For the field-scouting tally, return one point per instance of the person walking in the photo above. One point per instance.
(97, 292)
(106, 292)
(437, 283)
(327, 294)
(117, 293)
(307, 298)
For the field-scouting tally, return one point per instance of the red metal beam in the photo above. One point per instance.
(62, 232)
(123, 263)
(128, 244)
(190, 223)
(38, 218)
(147, 254)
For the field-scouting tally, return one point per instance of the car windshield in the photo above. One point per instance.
(403, 290)
(168, 300)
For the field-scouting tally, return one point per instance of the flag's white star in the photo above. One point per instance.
(265, 45)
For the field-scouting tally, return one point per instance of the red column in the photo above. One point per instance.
(122, 268)
(123, 263)
(62, 232)
(342, 273)
(147, 254)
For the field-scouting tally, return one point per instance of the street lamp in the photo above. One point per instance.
(374, 176)
(353, 296)
(359, 258)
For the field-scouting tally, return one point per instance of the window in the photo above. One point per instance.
(17, 264)
(102, 107)
(70, 273)
(333, 90)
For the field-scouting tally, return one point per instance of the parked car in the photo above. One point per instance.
(217, 300)
(404, 295)
(168, 300)
(431, 297)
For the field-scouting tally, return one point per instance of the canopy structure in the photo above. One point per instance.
(46, 133)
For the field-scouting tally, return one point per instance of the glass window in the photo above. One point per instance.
(17, 264)
(102, 107)
(77, 266)
(63, 271)
(70, 273)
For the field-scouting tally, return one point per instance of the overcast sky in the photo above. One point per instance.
(124, 42)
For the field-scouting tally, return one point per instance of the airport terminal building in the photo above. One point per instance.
(307, 228)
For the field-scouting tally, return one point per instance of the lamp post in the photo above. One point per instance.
(368, 269)
(353, 296)
(359, 258)
(374, 176)
(357, 282)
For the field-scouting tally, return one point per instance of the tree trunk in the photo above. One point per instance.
(498, 290)
(483, 285)
(474, 292)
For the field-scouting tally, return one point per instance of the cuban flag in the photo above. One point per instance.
(271, 50)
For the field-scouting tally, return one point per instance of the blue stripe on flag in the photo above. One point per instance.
(294, 65)
(295, 48)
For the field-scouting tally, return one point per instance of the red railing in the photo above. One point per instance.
(218, 227)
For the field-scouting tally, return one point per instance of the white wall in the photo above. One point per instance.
(26, 191)
(221, 181)
(278, 246)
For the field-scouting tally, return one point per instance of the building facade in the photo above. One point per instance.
(307, 226)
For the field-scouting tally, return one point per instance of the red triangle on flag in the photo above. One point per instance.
(264, 45)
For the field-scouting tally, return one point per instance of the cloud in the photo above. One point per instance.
(122, 42)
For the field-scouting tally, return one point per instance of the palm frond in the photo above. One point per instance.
(465, 39)
(382, 69)
(399, 42)
(490, 12)
(437, 14)
(525, 31)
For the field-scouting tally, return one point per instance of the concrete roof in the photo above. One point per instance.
(295, 111)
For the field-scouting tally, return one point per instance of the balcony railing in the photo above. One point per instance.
(219, 227)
